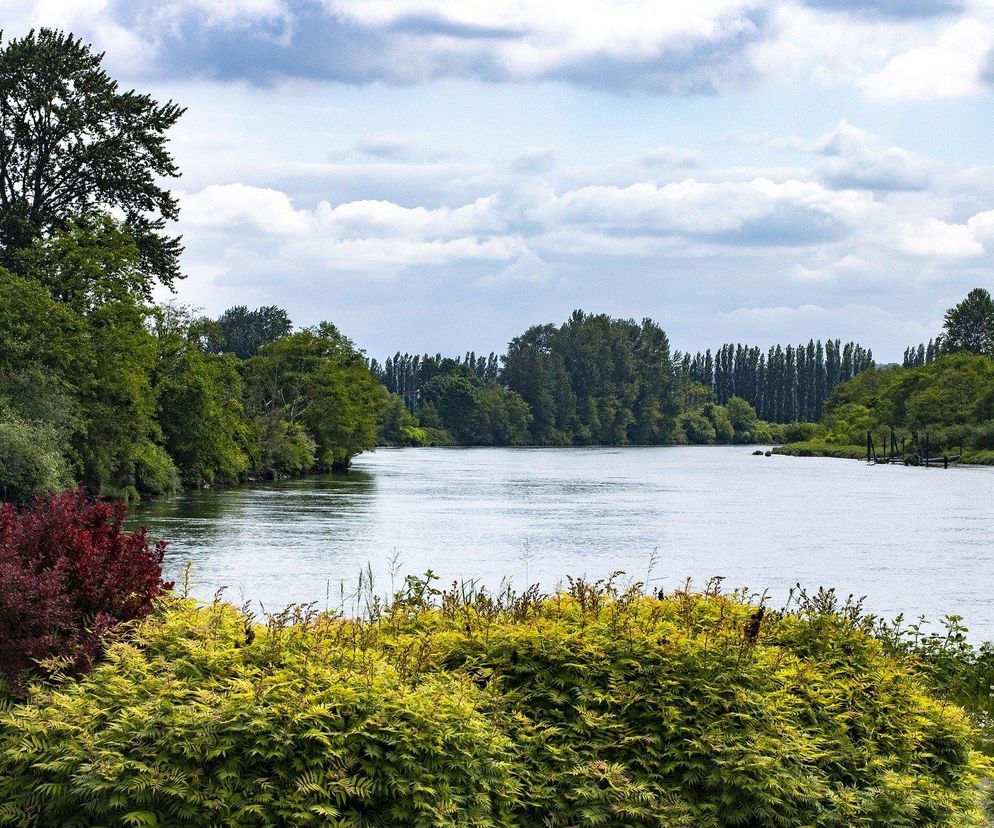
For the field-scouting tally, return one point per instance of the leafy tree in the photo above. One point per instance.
(969, 326)
(73, 147)
(243, 332)
(694, 428)
(312, 391)
(120, 447)
(200, 406)
(39, 338)
(746, 426)
(396, 426)
(85, 266)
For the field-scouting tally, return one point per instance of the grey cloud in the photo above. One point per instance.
(392, 146)
(534, 160)
(896, 9)
(785, 226)
(427, 24)
(890, 171)
(307, 41)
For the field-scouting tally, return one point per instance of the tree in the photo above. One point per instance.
(244, 332)
(74, 148)
(314, 400)
(969, 325)
(200, 403)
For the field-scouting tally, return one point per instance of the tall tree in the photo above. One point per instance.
(244, 332)
(73, 147)
(969, 325)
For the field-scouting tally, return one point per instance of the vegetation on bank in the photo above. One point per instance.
(97, 385)
(592, 706)
(598, 380)
(943, 393)
(951, 400)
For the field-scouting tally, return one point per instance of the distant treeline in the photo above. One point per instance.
(595, 379)
(967, 327)
(784, 385)
(944, 390)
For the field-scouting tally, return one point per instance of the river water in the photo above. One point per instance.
(911, 540)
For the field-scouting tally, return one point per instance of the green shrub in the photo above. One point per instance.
(821, 448)
(190, 724)
(698, 711)
(30, 460)
(586, 708)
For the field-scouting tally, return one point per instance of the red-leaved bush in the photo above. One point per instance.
(69, 573)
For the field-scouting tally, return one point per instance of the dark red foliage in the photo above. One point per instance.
(69, 573)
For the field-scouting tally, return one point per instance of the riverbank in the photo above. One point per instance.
(820, 448)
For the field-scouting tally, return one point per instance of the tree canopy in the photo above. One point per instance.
(73, 147)
(969, 326)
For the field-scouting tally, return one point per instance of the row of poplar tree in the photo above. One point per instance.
(785, 384)
(595, 379)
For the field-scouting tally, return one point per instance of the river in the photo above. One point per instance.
(911, 540)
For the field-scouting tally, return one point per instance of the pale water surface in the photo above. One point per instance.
(912, 540)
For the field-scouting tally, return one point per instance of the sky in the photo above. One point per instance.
(438, 176)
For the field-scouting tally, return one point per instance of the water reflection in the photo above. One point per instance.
(913, 541)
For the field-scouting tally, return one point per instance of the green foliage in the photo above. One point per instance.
(86, 266)
(191, 723)
(38, 336)
(590, 707)
(969, 326)
(591, 380)
(83, 365)
(200, 403)
(708, 423)
(311, 392)
(784, 385)
(951, 399)
(73, 148)
(31, 460)
(476, 414)
(746, 426)
(396, 426)
(243, 332)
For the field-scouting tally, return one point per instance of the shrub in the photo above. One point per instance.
(70, 573)
(587, 708)
(191, 724)
(700, 710)
(30, 460)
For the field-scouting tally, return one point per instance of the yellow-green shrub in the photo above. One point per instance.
(630, 711)
(190, 724)
(586, 708)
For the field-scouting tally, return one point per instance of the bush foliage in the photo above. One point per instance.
(950, 399)
(70, 574)
(591, 707)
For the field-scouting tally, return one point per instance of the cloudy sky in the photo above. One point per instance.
(436, 175)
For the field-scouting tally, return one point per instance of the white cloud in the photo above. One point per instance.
(528, 269)
(949, 68)
(706, 208)
(261, 210)
(849, 265)
(934, 237)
